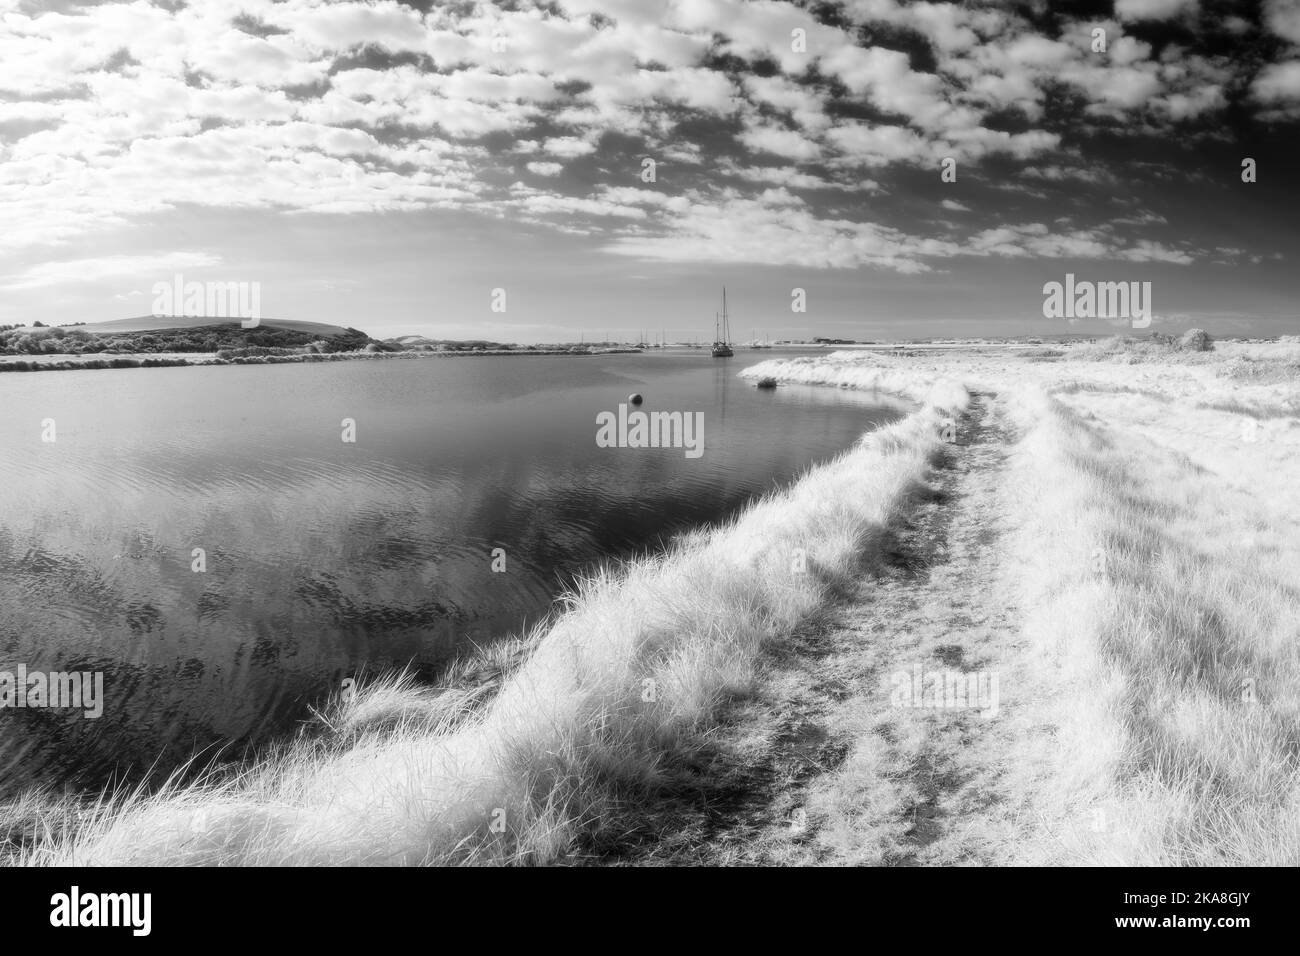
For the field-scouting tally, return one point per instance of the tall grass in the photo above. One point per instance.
(592, 714)
(1165, 618)
(1118, 348)
(851, 370)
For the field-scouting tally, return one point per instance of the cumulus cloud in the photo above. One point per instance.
(103, 267)
(1283, 18)
(114, 111)
(778, 229)
(782, 142)
(568, 146)
(1278, 83)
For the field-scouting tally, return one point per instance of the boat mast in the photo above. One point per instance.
(726, 328)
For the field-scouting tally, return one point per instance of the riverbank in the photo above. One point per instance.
(1052, 624)
(612, 699)
(64, 362)
(1105, 551)
(825, 763)
(54, 362)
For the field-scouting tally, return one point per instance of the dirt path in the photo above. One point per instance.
(834, 761)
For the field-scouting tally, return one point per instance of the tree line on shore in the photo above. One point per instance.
(232, 338)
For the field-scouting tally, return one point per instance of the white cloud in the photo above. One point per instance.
(781, 142)
(1278, 83)
(159, 267)
(120, 110)
(1283, 18)
(568, 147)
(880, 145)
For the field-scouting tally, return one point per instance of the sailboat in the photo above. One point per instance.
(722, 343)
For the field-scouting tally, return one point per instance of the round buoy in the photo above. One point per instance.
(635, 398)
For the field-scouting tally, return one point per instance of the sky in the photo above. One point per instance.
(611, 164)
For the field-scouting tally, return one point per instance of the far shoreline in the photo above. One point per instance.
(96, 361)
(69, 362)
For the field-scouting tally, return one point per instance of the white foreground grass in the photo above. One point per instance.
(1156, 669)
(627, 680)
(1159, 559)
(864, 373)
(1166, 610)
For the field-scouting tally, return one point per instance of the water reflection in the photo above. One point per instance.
(323, 557)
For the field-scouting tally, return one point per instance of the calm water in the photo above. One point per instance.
(326, 558)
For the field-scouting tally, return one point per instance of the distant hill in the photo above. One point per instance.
(159, 323)
(156, 334)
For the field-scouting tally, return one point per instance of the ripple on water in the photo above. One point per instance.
(324, 558)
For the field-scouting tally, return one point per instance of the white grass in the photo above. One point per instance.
(1165, 614)
(624, 683)
(1157, 659)
(851, 370)
(1159, 559)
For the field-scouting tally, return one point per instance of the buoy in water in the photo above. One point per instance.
(635, 398)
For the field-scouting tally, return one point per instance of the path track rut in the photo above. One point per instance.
(821, 766)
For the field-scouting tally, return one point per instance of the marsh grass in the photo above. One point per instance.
(529, 750)
(1160, 682)
(1166, 618)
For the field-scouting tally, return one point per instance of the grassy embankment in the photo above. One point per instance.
(1158, 555)
(1154, 719)
(1165, 608)
(623, 685)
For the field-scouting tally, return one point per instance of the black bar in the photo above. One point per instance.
(328, 907)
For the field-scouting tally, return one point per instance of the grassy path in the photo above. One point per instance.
(821, 765)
